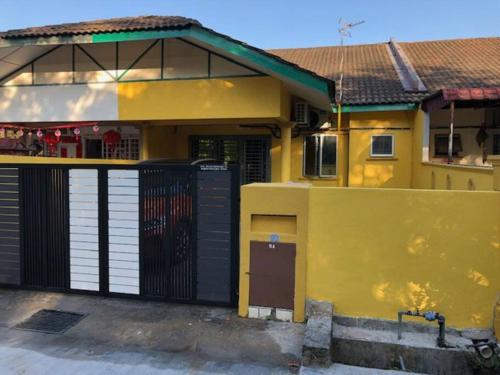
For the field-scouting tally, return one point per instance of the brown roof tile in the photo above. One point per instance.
(456, 63)
(103, 26)
(370, 78)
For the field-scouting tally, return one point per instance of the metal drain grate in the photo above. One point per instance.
(50, 321)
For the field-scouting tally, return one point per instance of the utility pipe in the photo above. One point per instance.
(286, 151)
(450, 137)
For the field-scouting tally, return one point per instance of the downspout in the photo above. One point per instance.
(450, 136)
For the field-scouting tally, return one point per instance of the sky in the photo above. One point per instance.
(282, 23)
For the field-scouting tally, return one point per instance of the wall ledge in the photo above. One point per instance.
(475, 168)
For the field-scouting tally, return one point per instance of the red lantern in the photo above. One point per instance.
(112, 138)
(51, 140)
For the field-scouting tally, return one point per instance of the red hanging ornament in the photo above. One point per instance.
(112, 138)
(95, 129)
(39, 134)
(57, 133)
(76, 132)
(51, 140)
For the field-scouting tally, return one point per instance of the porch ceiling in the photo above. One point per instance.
(14, 58)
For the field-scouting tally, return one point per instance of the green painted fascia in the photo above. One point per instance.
(376, 108)
(138, 35)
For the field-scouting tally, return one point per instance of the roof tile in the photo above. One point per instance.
(103, 26)
(370, 77)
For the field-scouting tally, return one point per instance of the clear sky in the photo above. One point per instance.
(282, 23)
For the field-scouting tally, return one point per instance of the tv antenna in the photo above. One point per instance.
(344, 32)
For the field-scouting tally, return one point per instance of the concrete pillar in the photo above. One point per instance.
(495, 161)
(286, 151)
(145, 142)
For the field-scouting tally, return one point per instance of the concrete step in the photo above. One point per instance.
(416, 351)
(340, 369)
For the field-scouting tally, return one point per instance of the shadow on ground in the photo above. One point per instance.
(121, 325)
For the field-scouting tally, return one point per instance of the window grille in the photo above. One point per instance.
(252, 153)
(127, 149)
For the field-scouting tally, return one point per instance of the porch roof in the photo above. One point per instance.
(17, 47)
(102, 26)
(465, 97)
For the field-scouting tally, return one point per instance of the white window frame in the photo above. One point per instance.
(391, 155)
(320, 161)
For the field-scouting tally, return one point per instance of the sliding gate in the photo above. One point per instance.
(167, 232)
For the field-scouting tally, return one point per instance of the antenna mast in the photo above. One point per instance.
(344, 32)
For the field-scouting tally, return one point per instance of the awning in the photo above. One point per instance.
(465, 96)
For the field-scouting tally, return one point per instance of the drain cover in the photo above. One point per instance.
(50, 321)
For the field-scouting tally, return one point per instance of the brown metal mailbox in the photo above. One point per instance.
(272, 274)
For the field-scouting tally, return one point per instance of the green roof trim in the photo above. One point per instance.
(127, 36)
(376, 108)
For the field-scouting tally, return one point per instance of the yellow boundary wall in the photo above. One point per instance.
(373, 252)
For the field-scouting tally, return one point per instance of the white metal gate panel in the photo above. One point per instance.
(123, 206)
(84, 229)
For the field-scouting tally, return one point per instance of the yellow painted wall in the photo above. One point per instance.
(13, 159)
(441, 176)
(367, 171)
(290, 201)
(496, 323)
(233, 98)
(393, 249)
(373, 252)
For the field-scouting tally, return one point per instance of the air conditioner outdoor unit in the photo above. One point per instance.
(301, 113)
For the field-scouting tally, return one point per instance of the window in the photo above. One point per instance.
(496, 144)
(441, 144)
(320, 156)
(382, 145)
(127, 149)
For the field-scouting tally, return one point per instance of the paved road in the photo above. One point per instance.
(17, 361)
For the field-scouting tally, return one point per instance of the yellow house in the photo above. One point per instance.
(181, 91)
(92, 109)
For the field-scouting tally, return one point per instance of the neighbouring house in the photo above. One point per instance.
(99, 122)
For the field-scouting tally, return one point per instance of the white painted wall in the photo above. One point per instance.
(86, 102)
(84, 229)
(123, 203)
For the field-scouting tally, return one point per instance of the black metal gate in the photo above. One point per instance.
(187, 225)
(168, 245)
(190, 233)
(45, 241)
